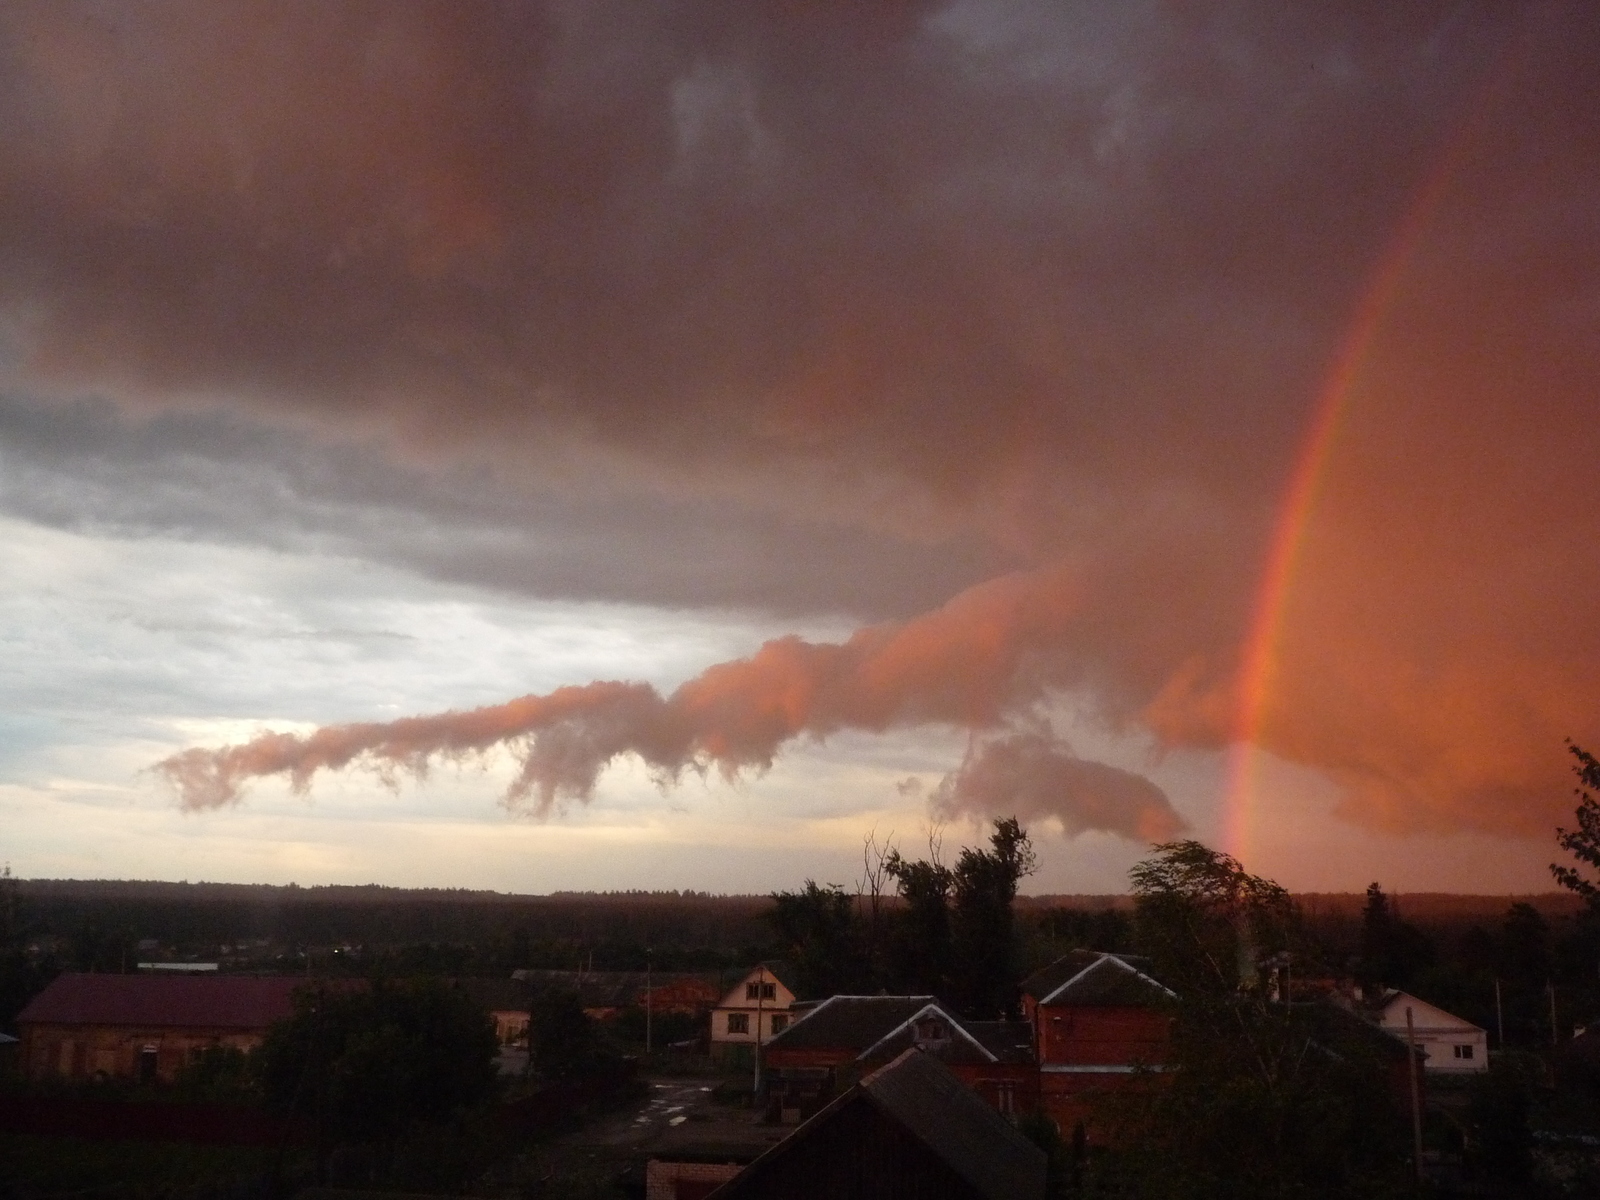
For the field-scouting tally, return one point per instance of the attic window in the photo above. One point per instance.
(760, 991)
(931, 1030)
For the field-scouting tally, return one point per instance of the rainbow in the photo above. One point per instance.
(1261, 662)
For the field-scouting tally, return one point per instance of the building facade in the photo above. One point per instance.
(145, 1027)
(751, 1013)
(1449, 1045)
(1102, 1025)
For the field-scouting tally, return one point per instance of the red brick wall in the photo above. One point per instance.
(1102, 1036)
(85, 1051)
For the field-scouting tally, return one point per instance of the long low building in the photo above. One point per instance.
(145, 1027)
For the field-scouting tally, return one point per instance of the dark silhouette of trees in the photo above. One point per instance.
(367, 1064)
(565, 1043)
(951, 935)
(820, 939)
(1393, 953)
(1583, 843)
(982, 926)
(1259, 1097)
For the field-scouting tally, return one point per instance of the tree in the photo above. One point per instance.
(369, 1063)
(920, 946)
(564, 1042)
(1205, 920)
(1392, 951)
(1258, 1098)
(1583, 843)
(982, 927)
(817, 929)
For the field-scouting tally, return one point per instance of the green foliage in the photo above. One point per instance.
(1500, 1147)
(1393, 953)
(1257, 1098)
(817, 931)
(1583, 843)
(921, 955)
(1205, 921)
(218, 1074)
(982, 927)
(565, 1042)
(369, 1063)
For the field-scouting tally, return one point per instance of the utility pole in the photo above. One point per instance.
(649, 1004)
(1554, 1041)
(1499, 1015)
(1416, 1103)
(761, 997)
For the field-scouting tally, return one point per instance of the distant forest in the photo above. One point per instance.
(1446, 948)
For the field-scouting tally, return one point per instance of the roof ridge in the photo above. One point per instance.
(955, 1021)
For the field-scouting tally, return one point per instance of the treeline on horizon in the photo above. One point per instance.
(1449, 950)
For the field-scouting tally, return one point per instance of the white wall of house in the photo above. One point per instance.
(1452, 1046)
(756, 1006)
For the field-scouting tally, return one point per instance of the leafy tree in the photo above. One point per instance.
(1392, 951)
(1583, 843)
(1205, 920)
(1525, 958)
(920, 944)
(1260, 1098)
(564, 1041)
(982, 926)
(817, 930)
(369, 1063)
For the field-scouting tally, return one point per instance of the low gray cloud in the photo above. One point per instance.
(1034, 774)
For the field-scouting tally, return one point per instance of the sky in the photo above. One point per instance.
(600, 445)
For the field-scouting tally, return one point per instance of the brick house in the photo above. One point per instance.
(1101, 1025)
(834, 1043)
(145, 1027)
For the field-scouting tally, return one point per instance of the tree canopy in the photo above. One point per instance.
(1583, 843)
(367, 1063)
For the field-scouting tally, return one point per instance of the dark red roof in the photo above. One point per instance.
(206, 1001)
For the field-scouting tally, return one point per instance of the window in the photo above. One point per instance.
(779, 1023)
(760, 991)
(1005, 1098)
(1463, 1051)
(738, 1022)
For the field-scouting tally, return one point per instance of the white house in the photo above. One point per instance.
(1452, 1046)
(757, 1007)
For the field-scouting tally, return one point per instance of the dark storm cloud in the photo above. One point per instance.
(1064, 278)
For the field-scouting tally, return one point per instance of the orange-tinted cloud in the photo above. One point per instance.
(1065, 280)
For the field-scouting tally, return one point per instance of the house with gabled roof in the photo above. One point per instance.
(1450, 1045)
(750, 1014)
(146, 1027)
(1102, 1023)
(834, 1043)
(909, 1128)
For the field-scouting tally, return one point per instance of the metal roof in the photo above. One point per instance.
(982, 1147)
(204, 1001)
(922, 1096)
(1094, 979)
(848, 1022)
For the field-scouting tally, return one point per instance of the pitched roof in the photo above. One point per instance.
(1392, 1006)
(207, 1001)
(960, 1047)
(848, 1022)
(920, 1094)
(1092, 979)
(958, 1125)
